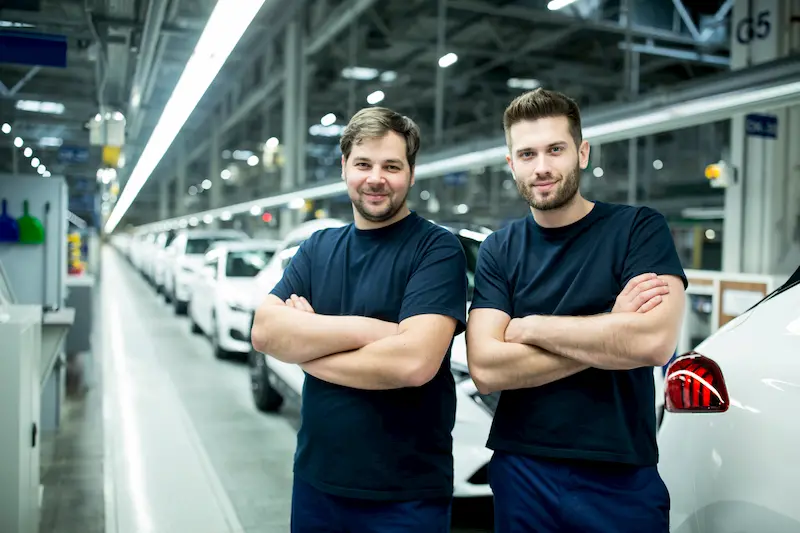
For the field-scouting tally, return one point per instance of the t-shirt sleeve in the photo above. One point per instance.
(491, 283)
(438, 284)
(651, 248)
(296, 277)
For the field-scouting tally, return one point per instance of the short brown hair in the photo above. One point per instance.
(374, 123)
(541, 103)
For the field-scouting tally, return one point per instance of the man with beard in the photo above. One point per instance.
(574, 306)
(369, 311)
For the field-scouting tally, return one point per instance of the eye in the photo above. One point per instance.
(393, 168)
(526, 155)
(557, 149)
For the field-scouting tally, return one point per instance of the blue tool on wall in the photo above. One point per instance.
(9, 229)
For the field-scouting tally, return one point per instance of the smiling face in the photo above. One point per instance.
(546, 162)
(378, 177)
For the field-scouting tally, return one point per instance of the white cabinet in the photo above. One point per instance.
(20, 353)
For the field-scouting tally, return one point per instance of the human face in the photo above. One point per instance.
(546, 163)
(378, 179)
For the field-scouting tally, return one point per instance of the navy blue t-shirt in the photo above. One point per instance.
(381, 445)
(577, 270)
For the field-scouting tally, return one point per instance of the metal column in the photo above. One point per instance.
(352, 56)
(438, 128)
(216, 194)
(163, 199)
(293, 60)
(180, 176)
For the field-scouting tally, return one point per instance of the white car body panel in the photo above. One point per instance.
(738, 471)
(473, 422)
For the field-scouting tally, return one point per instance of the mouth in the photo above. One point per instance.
(545, 186)
(374, 197)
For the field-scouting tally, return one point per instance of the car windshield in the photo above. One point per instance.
(246, 264)
(200, 245)
(471, 247)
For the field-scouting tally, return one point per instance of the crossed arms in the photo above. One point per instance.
(353, 351)
(641, 330)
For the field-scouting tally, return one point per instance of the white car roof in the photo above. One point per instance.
(244, 246)
(306, 229)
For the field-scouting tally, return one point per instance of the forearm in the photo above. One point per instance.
(615, 341)
(499, 366)
(389, 363)
(294, 336)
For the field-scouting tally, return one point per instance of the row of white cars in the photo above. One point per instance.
(728, 438)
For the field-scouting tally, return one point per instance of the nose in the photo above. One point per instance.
(374, 176)
(542, 168)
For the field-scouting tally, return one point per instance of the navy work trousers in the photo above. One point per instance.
(314, 511)
(540, 496)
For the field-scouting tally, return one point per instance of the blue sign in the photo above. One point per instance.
(761, 126)
(73, 154)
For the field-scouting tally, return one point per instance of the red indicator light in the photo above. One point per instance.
(266, 217)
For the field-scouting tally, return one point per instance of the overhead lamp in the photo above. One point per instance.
(555, 5)
(272, 143)
(225, 174)
(46, 174)
(41, 170)
(193, 190)
(297, 203)
(18, 142)
(252, 160)
(28, 151)
(208, 219)
(328, 119)
(193, 221)
(375, 97)
(447, 60)
(206, 184)
(658, 164)
(255, 210)
(226, 216)
(35, 162)
(6, 128)
(226, 25)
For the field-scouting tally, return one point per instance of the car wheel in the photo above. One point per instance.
(195, 328)
(219, 353)
(267, 399)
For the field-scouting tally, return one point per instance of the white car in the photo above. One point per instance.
(273, 382)
(219, 305)
(185, 257)
(728, 441)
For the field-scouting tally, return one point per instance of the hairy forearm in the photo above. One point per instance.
(295, 336)
(615, 341)
(497, 366)
(391, 363)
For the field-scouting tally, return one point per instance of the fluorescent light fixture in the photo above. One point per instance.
(225, 27)
(242, 155)
(34, 106)
(375, 97)
(6, 128)
(522, 83)
(680, 115)
(328, 120)
(28, 151)
(51, 142)
(447, 60)
(701, 213)
(35, 162)
(272, 143)
(318, 130)
(360, 73)
(388, 76)
(555, 5)
(18, 142)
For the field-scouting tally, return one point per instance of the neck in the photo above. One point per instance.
(573, 211)
(363, 223)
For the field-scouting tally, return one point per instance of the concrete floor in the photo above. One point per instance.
(168, 439)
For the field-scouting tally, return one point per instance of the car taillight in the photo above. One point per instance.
(694, 384)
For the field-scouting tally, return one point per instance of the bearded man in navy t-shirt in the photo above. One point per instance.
(369, 311)
(574, 306)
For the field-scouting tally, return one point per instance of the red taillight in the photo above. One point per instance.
(694, 384)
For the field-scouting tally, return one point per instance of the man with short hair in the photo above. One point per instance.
(388, 292)
(574, 306)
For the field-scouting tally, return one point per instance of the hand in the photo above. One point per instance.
(515, 331)
(642, 294)
(299, 303)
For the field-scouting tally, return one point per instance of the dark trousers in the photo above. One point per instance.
(314, 511)
(540, 496)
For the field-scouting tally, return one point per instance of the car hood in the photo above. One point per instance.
(239, 290)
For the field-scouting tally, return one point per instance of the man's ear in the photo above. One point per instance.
(413, 177)
(583, 154)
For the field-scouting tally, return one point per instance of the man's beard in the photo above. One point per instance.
(566, 190)
(382, 213)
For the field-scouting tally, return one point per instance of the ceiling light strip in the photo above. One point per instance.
(684, 114)
(225, 27)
